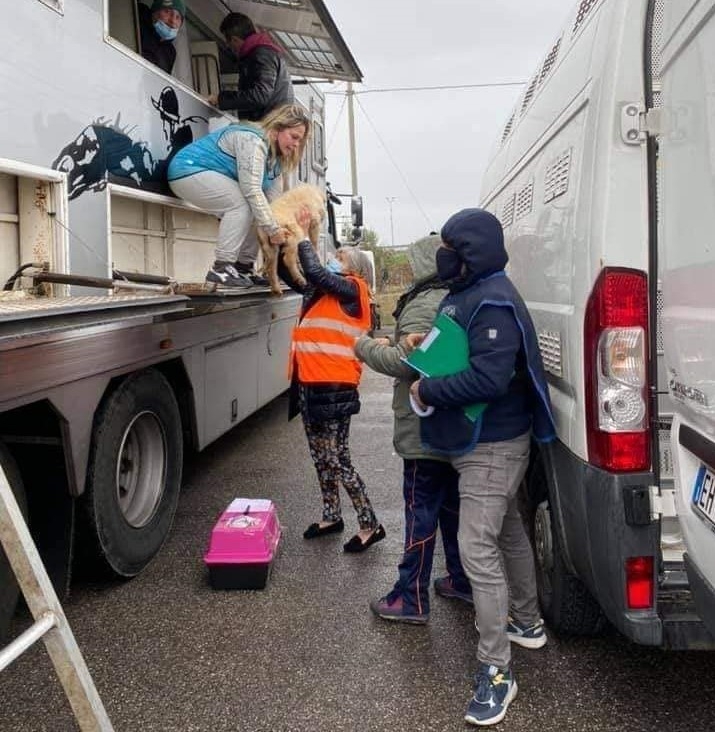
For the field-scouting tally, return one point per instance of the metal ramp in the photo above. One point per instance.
(50, 622)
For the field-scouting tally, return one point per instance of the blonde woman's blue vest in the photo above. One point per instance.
(206, 154)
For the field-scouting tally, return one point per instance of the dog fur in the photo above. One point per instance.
(285, 208)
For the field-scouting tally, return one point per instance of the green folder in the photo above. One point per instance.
(445, 352)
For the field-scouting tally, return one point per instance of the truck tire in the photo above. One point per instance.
(9, 589)
(568, 606)
(134, 474)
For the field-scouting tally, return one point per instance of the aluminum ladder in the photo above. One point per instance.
(50, 622)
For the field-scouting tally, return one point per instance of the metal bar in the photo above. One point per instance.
(6, 218)
(124, 285)
(70, 279)
(101, 282)
(40, 596)
(156, 233)
(26, 640)
(148, 279)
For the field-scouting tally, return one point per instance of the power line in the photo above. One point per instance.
(397, 167)
(485, 85)
(337, 121)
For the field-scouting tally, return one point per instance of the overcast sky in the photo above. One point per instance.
(428, 149)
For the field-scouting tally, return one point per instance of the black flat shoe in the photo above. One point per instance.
(356, 544)
(315, 530)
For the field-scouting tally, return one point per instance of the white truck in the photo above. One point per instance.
(688, 222)
(595, 180)
(101, 389)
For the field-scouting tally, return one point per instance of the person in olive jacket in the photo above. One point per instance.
(264, 82)
(430, 483)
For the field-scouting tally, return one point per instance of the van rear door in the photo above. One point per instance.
(687, 166)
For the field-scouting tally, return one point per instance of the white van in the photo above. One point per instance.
(574, 181)
(688, 226)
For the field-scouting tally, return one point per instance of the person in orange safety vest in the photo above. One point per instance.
(336, 311)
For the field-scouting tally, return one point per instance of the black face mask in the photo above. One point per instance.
(449, 264)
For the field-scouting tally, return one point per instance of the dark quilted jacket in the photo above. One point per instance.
(263, 84)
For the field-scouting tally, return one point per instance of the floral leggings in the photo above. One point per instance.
(328, 445)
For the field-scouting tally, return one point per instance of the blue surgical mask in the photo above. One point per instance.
(449, 264)
(165, 32)
(334, 265)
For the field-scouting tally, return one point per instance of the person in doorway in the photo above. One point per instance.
(491, 455)
(263, 79)
(234, 173)
(336, 309)
(429, 485)
(158, 27)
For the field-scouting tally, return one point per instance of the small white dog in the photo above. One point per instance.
(285, 208)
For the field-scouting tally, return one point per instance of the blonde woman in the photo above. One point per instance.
(336, 310)
(234, 173)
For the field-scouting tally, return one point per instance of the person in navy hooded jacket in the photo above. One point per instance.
(491, 454)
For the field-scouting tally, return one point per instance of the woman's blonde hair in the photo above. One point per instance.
(281, 118)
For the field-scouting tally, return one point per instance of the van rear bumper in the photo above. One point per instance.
(588, 506)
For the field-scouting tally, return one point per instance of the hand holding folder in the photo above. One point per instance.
(444, 351)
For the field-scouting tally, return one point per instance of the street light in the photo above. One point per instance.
(390, 200)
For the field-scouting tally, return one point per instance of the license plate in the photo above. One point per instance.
(704, 494)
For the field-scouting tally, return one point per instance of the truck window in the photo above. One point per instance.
(124, 23)
(200, 74)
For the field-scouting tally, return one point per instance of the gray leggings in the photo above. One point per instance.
(493, 546)
(221, 196)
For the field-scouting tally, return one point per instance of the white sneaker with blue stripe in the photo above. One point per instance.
(494, 689)
(528, 636)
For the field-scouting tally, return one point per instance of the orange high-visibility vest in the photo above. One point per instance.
(322, 347)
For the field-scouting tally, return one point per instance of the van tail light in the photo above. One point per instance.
(640, 584)
(616, 365)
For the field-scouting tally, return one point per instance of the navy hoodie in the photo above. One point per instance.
(506, 369)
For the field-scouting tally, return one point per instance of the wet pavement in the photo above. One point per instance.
(169, 653)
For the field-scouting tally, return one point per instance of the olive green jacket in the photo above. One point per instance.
(417, 316)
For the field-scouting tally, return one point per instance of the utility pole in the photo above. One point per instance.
(390, 200)
(351, 132)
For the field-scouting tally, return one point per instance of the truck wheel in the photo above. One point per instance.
(9, 589)
(567, 604)
(134, 473)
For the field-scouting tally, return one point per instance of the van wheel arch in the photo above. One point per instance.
(567, 605)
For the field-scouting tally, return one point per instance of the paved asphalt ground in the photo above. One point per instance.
(305, 655)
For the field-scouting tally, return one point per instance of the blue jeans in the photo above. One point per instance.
(430, 489)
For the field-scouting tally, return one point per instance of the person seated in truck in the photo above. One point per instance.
(234, 173)
(263, 79)
(158, 27)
